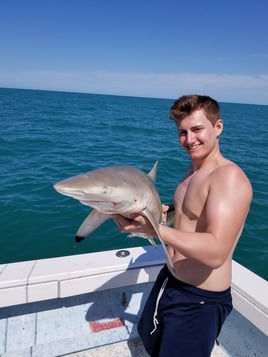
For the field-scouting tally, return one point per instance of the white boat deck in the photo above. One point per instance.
(102, 321)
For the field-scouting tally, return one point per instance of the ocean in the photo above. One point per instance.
(48, 136)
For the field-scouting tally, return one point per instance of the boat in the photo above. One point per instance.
(89, 305)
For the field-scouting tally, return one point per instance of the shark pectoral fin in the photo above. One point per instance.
(78, 239)
(92, 222)
(151, 240)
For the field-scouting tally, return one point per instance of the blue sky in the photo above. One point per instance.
(147, 48)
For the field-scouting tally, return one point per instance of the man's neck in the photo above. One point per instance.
(209, 161)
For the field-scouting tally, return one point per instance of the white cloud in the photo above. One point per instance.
(224, 87)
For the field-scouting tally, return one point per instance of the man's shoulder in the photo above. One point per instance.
(228, 167)
(229, 172)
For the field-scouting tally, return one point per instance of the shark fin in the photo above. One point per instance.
(155, 226)
(152, 173)
(92, 222)
(151, 240)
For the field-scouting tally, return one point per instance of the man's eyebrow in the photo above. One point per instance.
(197, 126)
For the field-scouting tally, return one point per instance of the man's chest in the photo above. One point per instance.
(190, 197)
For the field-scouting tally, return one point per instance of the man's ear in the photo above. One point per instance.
(219, 127)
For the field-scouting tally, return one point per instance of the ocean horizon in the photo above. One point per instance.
(47, 136)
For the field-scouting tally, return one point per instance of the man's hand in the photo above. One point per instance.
(167, 209)
(135, 224)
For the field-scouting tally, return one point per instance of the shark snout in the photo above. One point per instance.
(69, 191)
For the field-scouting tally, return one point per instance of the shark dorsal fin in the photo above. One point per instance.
(153, 171)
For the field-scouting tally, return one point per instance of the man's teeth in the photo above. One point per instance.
(194, 146)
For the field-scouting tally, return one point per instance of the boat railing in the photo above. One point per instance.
(54, 278)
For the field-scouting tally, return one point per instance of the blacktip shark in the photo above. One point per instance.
(122, 190)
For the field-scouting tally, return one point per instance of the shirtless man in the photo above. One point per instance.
(184, 313)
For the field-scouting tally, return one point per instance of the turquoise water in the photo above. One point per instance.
(48, 136)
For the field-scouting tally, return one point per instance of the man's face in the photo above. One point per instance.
(197, 135)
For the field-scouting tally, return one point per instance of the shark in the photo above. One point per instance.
(112, 190)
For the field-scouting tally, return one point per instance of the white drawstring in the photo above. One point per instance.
(155, 321)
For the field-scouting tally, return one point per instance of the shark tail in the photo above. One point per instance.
(155, 226)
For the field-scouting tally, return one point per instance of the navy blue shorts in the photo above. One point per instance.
(181, 320)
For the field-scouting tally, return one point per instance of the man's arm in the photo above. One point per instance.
(225, 211)
(224, 214)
